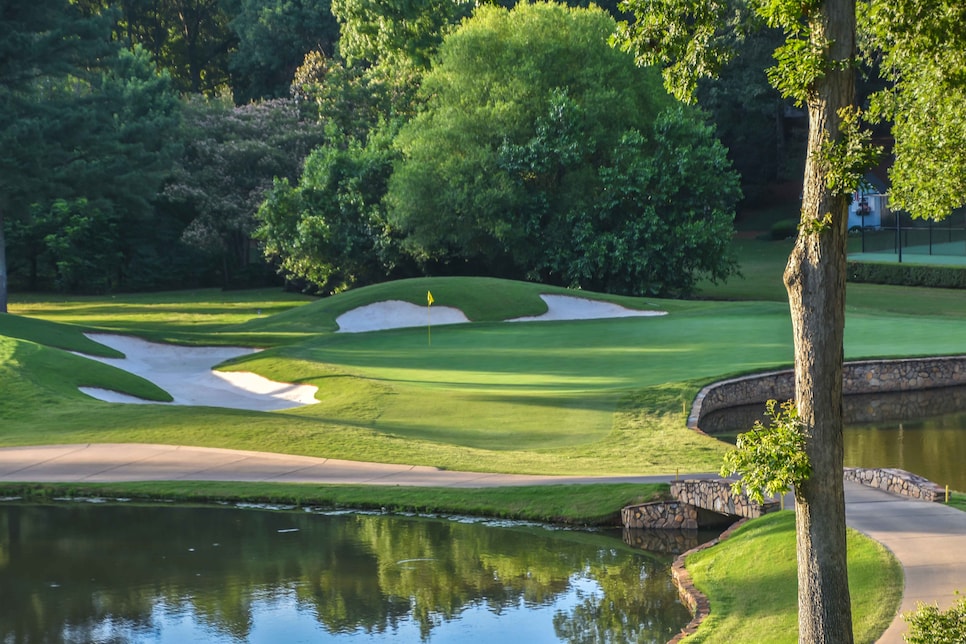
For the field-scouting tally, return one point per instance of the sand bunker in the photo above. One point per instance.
(566, 307)
(395, 314)
(186, 373)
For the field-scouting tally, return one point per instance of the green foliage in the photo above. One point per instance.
(191, 39)
(847, 158)
(395, 31)
(97, 131)
(82, 245)
(690, 39)
(770, 460)
(919, 46)
(273, 39)
(540, 155)
(231, 157)
(331, 229)
(929, 625)
(907, 274)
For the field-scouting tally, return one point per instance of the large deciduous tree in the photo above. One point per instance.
(273, 39)
(816, 66)
(231, 156)
(542, 153)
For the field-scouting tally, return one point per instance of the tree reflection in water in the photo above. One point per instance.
(112, 573)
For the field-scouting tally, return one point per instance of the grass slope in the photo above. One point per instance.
(751, 579)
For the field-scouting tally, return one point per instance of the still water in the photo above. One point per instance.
(922, 432)
(73, 572)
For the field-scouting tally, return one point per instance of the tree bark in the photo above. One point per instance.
(815, 280)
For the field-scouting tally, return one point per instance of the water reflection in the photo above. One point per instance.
(919, 431)
(81, 573)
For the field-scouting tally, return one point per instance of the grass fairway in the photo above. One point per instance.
(752, 581)
(579, 397)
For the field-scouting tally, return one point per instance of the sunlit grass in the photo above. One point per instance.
(552, 397)
(751, 580)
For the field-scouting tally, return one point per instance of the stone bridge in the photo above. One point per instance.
(697, 503)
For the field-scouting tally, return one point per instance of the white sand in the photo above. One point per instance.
(396, 314)
(186, 372)
(566, 307)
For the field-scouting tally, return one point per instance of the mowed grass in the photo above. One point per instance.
(585, 505)
(752, 581)
(591, 397)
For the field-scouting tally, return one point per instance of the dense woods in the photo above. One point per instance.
(179, 143)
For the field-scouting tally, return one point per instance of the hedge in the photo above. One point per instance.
(907, 274)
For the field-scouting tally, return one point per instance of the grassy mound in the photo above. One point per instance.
(751, 582)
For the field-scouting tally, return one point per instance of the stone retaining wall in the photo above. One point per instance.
(692, 499)
(865, 377)
(716, 495)
(896, 481)
(693, 598)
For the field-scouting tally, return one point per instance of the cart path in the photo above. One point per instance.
(929, 539)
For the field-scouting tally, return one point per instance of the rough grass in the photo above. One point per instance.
(751, 579)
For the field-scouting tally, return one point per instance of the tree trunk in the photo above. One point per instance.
(815, 280)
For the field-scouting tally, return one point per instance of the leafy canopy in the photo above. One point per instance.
(542, 153)
(770, 460)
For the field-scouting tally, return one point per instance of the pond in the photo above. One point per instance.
(80, 572)
(922, 431)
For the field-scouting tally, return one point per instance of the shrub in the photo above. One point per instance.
(907, 274)
(929, 625)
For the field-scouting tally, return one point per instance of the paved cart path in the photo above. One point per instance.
(929, 539)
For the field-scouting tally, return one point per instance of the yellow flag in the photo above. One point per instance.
(429, 298)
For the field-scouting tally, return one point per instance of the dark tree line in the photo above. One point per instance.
(141, 137)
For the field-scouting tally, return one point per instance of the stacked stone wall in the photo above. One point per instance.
(896, 481)
(865, 377)
(716, 495)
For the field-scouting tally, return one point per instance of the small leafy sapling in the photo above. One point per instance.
(769, 460)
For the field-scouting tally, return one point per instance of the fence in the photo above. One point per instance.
(906, 236)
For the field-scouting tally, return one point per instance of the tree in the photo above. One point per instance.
(331, 228)
(816, 67)
(273, 39)
(231, 156)
(190, 39)
(395, 31)
(86, 137)
(39, 39)
(542, 153)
